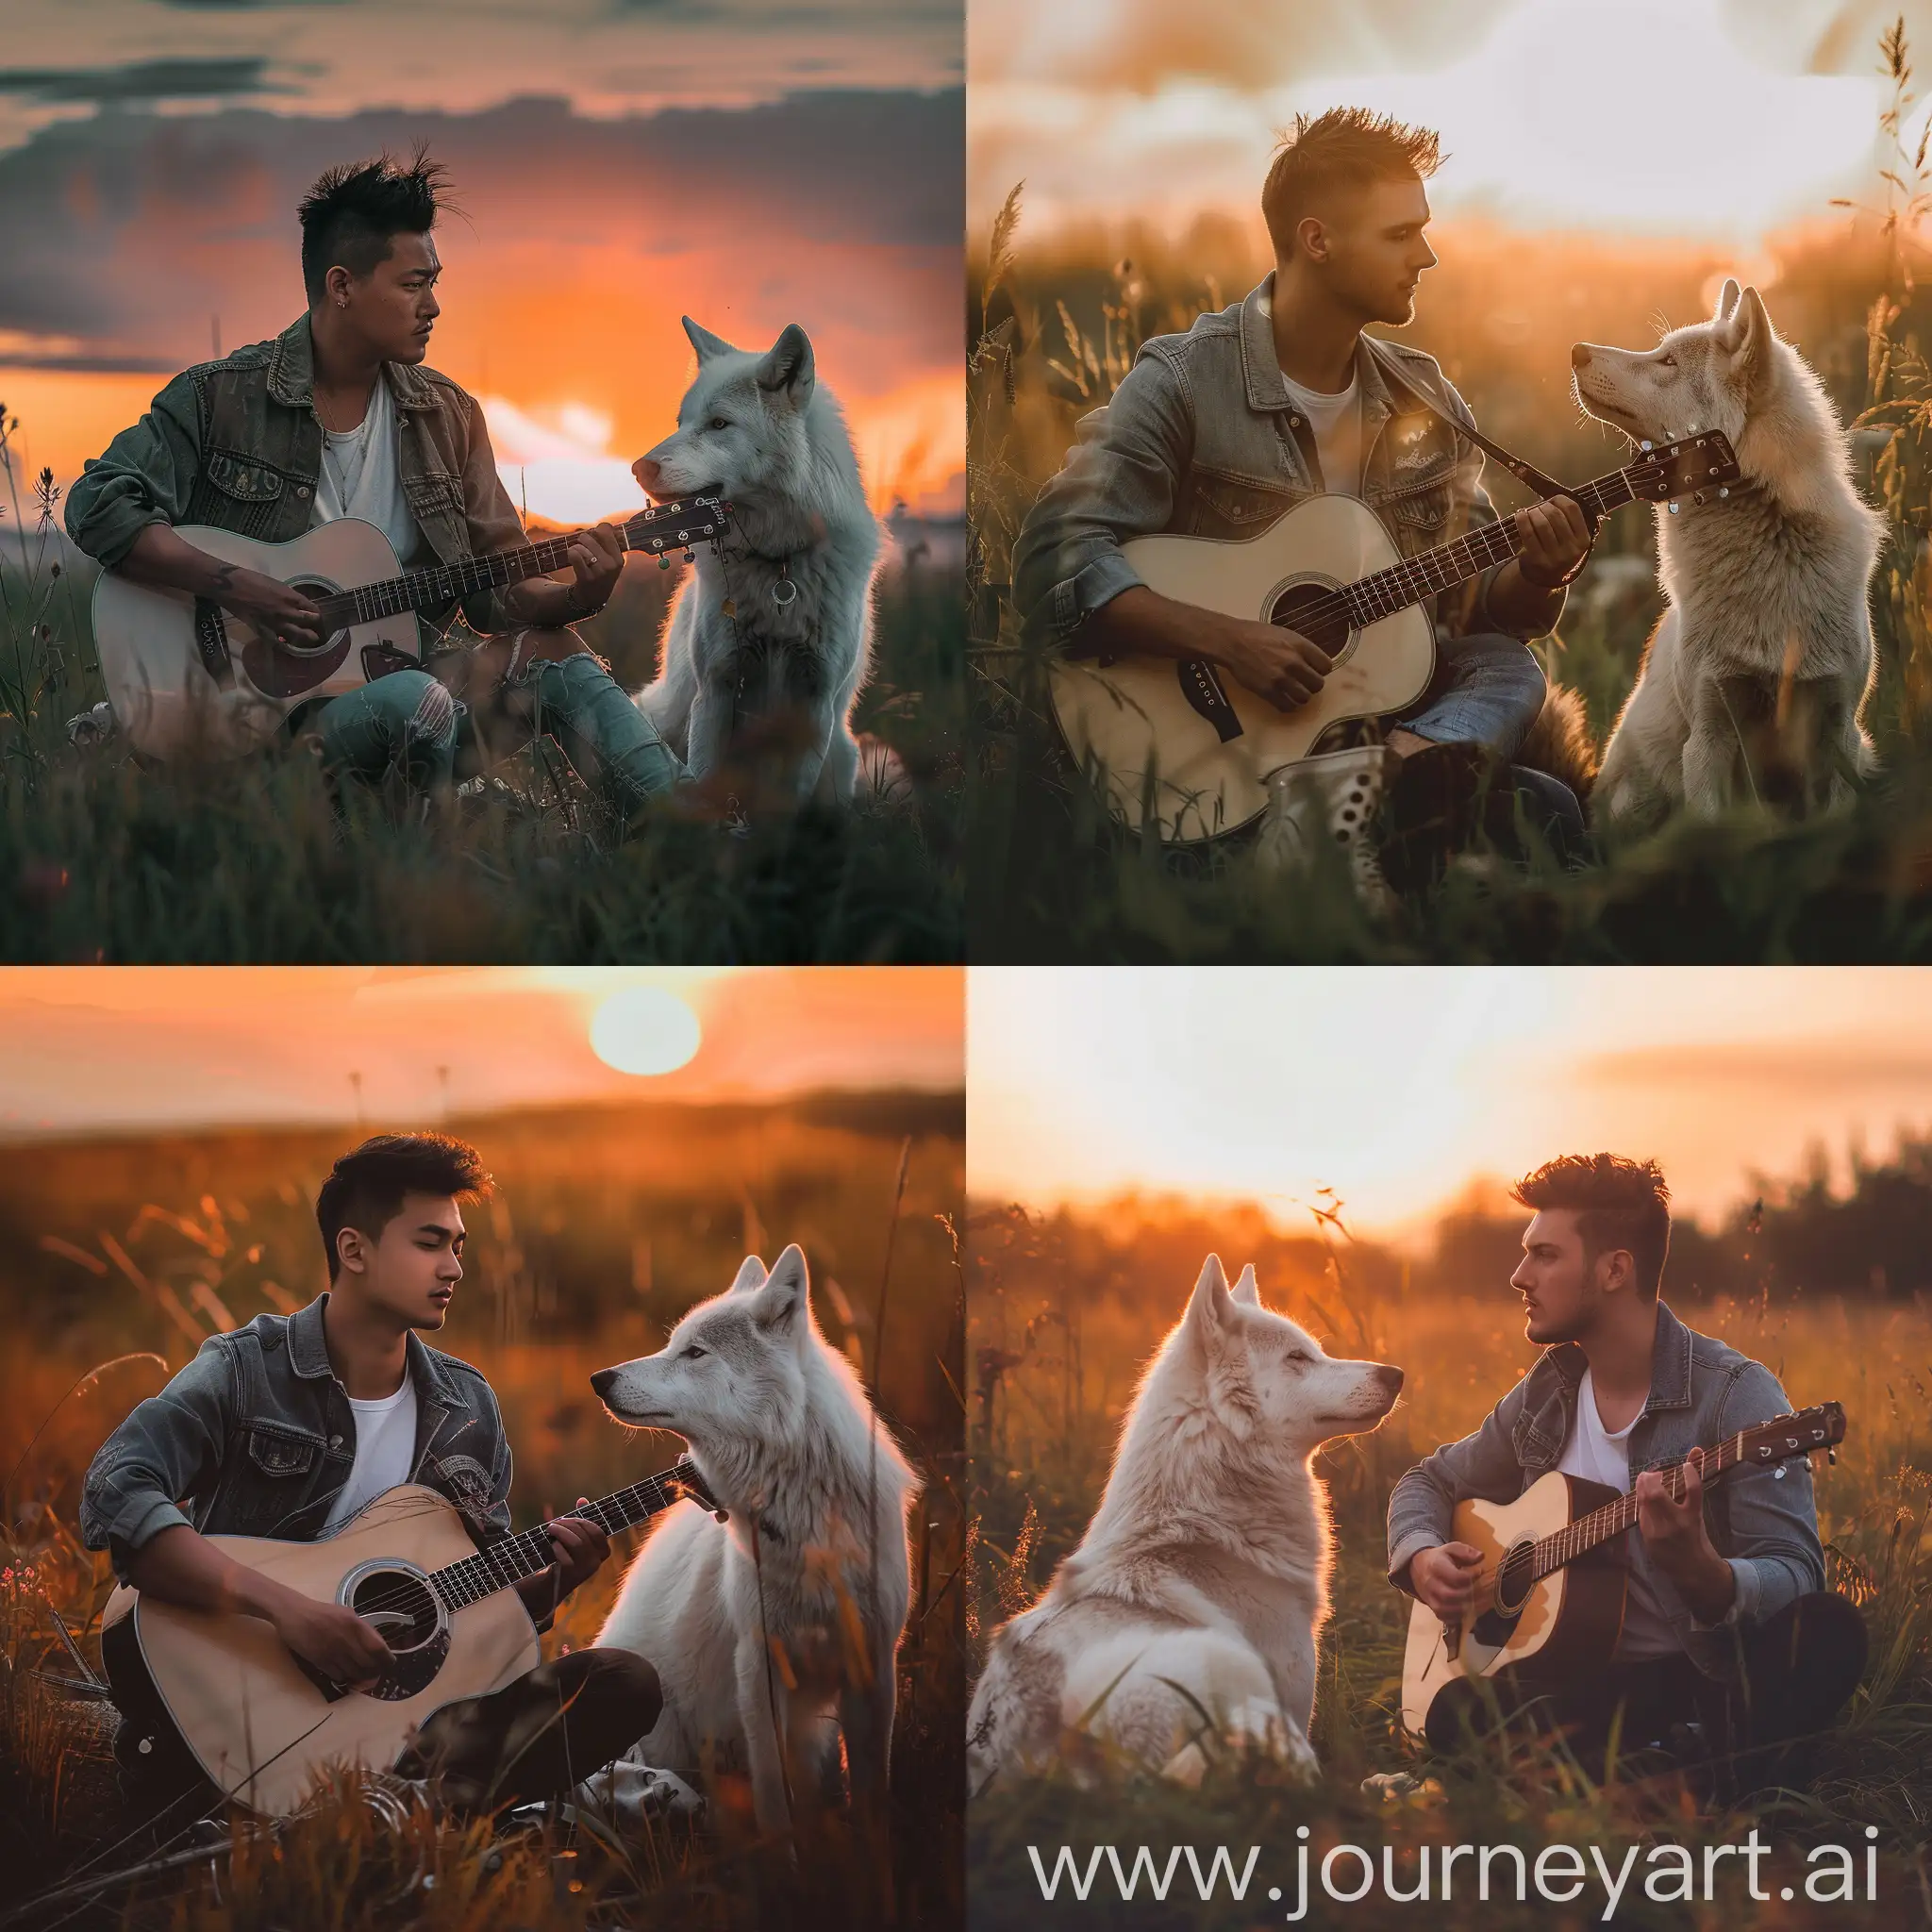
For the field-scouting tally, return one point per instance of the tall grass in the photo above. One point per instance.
(608, 1224)
(107, 857)
(1054, 329)
(1064, 1313)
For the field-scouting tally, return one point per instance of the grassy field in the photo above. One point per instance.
(1056, 326)
(607, 1225)
(1064, 1313)
(105, 858)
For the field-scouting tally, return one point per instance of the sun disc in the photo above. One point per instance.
(645, 1029)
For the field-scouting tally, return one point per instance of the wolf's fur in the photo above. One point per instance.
(1202, 1583)
(1559, 742)
(772, 1632)
(763, 430)
(1755, 678)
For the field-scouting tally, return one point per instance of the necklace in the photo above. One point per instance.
(343, 445)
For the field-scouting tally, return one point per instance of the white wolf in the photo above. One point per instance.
(771, 635)
(1760, 667)
(1200, 1588)
(772, 1632)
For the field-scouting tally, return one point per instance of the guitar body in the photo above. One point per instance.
(1196, 775)
(185, 676)
(1564, 1624)
(259, 1723)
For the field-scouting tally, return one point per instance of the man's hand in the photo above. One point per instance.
(1445, 1577)
(581, 1548)
(1555, 538)
(597, 555)
(273, 608)
(1273, 661)
(333, 1638)
(1679, 1544)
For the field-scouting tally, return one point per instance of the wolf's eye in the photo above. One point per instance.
(719, 423)
(692, 1353)
(1299, 1354)
(1666, 361)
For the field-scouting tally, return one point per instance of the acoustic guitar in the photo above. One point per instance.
(184, 675)
(1185, 749)
(1550, 1593)
(262, 1723)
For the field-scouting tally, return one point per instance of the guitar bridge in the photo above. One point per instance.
(328, 1686)
(1202, 687)
(211, 643)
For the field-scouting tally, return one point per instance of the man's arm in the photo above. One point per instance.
(1421, 1506)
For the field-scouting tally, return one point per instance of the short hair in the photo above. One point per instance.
(1618, 1203)
(1345, 144)
(351, 214)
(365, 1190)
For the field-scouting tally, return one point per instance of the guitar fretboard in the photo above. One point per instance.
(1368, 599)
(510, 1560)
(673, 526)
(1552, 1552)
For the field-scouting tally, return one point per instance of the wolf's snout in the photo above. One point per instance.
(1579, 356)
(603, 1382)
(648, 474)
(1391, 1378)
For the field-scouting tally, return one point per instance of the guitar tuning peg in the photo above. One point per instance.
(1674, 506)
(1646, 444)
(1697, 496)
(690, 555)
(1725, 491)
(1831, 1455)
(664, 563)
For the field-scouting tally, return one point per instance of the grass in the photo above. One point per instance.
(104, 856)
(1055, 327)
(609, 1223)
(1064, 1312)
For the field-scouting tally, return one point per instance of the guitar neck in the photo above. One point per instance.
(1372, 598)
(1613, 1519)
(655, 532)
(511, 1558)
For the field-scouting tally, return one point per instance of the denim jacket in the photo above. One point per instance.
(1762, 1522)
(238, 444)
(1202, 438)
(256, 1437)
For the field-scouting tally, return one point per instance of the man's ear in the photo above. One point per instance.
(705, 343)
(1245, 1291)
(781, 1301)
(1211, 1310)
(351, 1250)
(751, 1274)
(787, 369)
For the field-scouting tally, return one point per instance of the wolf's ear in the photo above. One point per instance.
(1727, 299)
(1212, 1310)
(1746, 338)
(786, 368)
(1246, 1290)
(751, 1274)
(706, 344)
(782, 1300)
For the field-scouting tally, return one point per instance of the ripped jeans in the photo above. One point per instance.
(408, 723)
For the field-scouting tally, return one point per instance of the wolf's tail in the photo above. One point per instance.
(1559, 742)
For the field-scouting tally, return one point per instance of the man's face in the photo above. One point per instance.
(1556, 1279)
(394, 306)
(1370, 246)
(411, 1267)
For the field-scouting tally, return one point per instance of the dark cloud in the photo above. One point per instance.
(144, 81)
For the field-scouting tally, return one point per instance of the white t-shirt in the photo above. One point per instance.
(1591, 1451)
(385, 1447)
(1337, 422)
(361, 475)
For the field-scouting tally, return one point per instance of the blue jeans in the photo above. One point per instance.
(1486, 691)
(408, 723)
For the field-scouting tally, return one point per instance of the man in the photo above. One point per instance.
(289, 1426)
(339, 416)
(1732, 1654)
(1218, 432)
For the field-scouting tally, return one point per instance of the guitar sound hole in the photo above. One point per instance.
(1294, 608)
(315, 591)
(1515, 1580)
(404, 1609)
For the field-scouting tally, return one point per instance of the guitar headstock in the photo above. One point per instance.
(1821, 1426)
(677, 525)
(1688, 467)
(684, 1473)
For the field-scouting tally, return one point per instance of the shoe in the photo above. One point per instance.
(1333, 799)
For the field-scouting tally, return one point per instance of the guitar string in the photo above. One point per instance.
(453, 1583)
(440, 582)
(1610, 1519)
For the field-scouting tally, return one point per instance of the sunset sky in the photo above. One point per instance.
(87, 1048)
(1398, 1088)
(1700, 119)
(621, 163)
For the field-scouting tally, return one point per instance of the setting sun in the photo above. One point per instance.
(645, 1029)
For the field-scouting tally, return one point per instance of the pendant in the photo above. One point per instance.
(784, 593)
